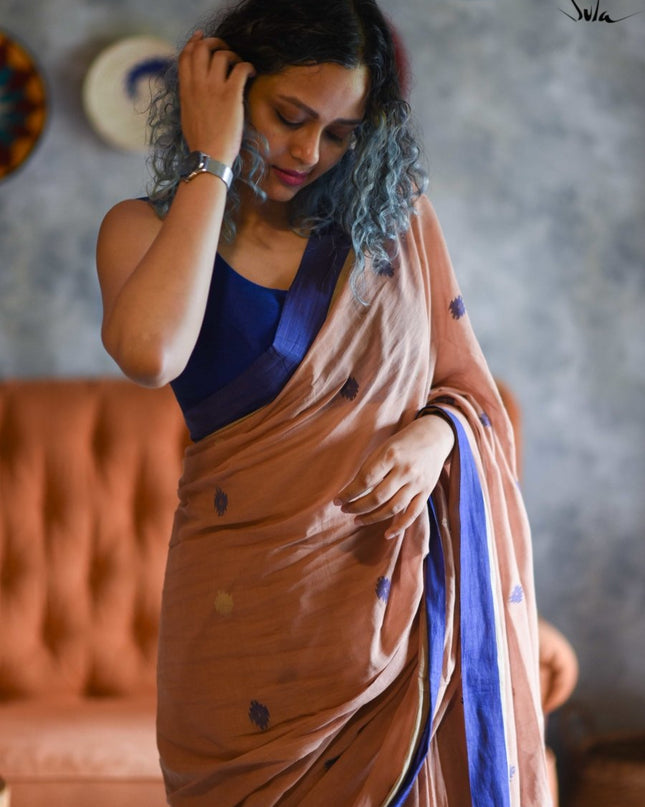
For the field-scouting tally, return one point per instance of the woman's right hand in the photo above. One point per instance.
(211, 93)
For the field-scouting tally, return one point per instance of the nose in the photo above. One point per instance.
(305, 147)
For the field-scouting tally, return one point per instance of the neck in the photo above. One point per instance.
(257, 215)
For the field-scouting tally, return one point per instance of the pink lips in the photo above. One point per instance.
(293, 178)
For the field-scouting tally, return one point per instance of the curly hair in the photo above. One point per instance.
(370, 193)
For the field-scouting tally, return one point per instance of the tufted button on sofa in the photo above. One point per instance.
(88, 481)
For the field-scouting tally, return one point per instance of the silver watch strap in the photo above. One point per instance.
(219, 170)
(203, 164)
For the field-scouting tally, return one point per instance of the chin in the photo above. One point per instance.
(281, 193)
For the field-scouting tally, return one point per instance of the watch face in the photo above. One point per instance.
(193, 162)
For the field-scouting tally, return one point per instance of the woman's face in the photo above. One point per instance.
(307, 115)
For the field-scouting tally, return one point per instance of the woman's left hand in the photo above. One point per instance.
(396, 480)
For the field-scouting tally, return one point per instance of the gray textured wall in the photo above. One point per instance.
(533, 126)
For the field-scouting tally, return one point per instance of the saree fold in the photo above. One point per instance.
(305, 660)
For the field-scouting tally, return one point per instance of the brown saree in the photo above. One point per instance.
(306, 661)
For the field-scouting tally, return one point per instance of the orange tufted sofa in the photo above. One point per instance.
(88, 480)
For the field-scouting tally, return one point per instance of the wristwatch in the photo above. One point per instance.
(199, 163)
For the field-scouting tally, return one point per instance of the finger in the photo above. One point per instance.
(373, 470)
(389, 509)
(212, 41)
(197, 37)
(203, 46)
(200, 55)
(187, 56)
(221, 63)
(374, 498)
(241, 73)
(406, 518)
(187, 49)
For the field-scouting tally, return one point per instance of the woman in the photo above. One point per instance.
(325, 636)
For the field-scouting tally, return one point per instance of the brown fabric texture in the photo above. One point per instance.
(88, 486)
(293, 656)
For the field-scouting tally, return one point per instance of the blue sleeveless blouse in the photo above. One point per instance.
(239, 325)
(253, 338)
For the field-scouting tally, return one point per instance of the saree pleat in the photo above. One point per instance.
(305, 660)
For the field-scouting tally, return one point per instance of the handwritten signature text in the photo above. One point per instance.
(592, 14)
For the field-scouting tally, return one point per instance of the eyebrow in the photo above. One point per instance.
(313, 114)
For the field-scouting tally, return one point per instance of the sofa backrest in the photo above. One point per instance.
(88, 488)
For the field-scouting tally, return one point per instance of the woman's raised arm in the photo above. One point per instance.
(155, 274)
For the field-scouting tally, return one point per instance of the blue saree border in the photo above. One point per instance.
(481, 689)
(303, 314)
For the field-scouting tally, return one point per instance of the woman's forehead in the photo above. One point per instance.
(328, 90)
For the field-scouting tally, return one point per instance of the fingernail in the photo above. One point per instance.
(338, 501)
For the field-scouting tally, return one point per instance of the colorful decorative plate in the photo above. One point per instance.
(23, 104)
(119, 86)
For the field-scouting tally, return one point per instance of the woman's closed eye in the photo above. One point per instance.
(338, 138)
(288, 121)
(335, 137)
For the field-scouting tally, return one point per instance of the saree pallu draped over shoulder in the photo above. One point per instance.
(305, 660)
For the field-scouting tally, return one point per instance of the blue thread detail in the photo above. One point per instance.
(457, 307)
(148, 68)
(383, 586)
(350, 388)
(221, 501)
(517, 595)
(485, 420)
(259, 714)
(512, 771)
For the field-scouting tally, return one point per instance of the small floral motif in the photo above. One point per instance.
(512, 771)
(259, 714)
(224, 603)
(485, 420)
(383, 586)
(221, 501)
(457, 307)
(350, 388)
(517, 595)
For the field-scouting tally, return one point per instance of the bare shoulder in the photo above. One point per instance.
(133, 220)
(125, 235)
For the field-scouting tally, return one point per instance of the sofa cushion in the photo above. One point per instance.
(76, 739)
(88, 481)
(88, 793)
